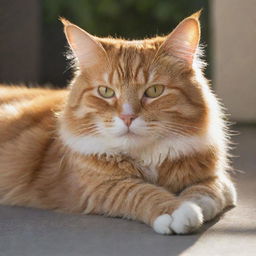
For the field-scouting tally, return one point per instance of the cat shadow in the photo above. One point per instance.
(181, 243)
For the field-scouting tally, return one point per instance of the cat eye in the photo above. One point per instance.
(106, 92)
(154, 91)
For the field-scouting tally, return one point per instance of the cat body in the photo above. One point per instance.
(138, 134)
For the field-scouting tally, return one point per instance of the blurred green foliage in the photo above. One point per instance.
(125, 18)
(131, 19)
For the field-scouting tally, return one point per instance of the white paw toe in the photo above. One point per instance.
(162, 224)
(187, 218)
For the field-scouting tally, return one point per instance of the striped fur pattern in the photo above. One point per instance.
(71, 150)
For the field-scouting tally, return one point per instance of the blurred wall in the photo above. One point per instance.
(20, 33)
(234, 56)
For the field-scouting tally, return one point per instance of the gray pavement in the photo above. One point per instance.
(33, 232)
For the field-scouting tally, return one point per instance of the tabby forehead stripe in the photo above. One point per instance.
(122, 72)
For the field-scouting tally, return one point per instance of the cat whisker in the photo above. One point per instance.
(165, 130)
(182, 125)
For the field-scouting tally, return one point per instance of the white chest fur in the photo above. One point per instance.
(150, 156)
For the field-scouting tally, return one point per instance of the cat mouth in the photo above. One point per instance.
(128, 134)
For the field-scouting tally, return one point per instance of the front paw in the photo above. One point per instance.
(208, 205)
(185, 219)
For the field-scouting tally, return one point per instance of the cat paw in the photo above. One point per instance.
(209, 207)
(185, 219)
(162, 224)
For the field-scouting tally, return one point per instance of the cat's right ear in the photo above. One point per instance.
(85, 47)
(183, 41)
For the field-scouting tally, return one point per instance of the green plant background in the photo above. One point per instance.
(131, 19)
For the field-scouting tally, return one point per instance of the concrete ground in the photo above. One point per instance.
(33, 232)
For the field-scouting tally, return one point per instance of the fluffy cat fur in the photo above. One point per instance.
(71, 150)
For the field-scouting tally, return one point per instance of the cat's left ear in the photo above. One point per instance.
(183, 41)
(85, 47)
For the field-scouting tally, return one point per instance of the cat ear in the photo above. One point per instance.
(85, 46)
(183, 41)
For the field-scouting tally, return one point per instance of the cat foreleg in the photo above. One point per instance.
(212, 195)
(153, 205)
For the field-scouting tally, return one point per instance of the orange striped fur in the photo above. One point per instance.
(72, 150)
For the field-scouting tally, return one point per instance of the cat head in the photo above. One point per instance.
(130, 94)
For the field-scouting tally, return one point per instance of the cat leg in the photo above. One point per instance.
(212, 195)
(153, 205)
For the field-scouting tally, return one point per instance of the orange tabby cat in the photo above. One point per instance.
(138, 134)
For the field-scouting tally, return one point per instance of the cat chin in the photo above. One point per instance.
(128, 137)
(88, 145)
(151, 151)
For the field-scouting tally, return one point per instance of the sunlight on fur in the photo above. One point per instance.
(138, 134)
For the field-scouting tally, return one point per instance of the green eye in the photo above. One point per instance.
(154, 91)
(106, 92)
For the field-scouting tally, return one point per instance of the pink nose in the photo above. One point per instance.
(128, 119)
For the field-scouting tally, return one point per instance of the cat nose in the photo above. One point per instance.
(128, 118)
